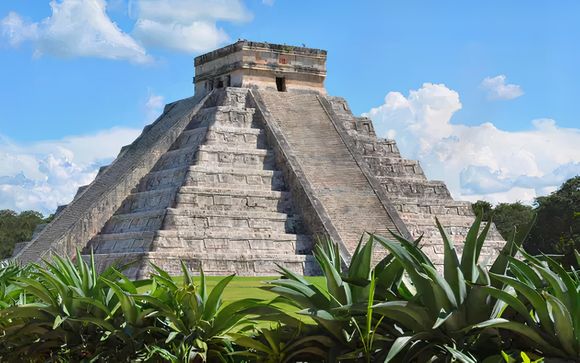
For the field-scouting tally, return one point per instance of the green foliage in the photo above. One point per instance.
(192, 318)
(403, 308)
(283, 344)
(16, 228)
(68, 311)
(437, 318)
(344, 310)
(546, 300)
(557, 230)
(506, 216)
(483, 207)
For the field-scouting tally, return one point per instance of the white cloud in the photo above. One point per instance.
(76, 28)
(497, 88)
(17, 30)
(477, 161)
(185, 25)
(44, 174)
(82, 28)
(154, 106)
(198, 36)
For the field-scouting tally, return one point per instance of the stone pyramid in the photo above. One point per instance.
(247, 174)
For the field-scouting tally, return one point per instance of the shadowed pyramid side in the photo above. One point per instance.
(86, 215)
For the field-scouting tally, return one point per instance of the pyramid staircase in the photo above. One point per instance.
(215, 200)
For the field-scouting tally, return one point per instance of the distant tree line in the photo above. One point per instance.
(17, 227)
(557, 228)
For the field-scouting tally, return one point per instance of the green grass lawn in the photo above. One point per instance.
(242, 287)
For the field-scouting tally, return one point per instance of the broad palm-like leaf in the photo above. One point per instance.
(284, 345)
(547, 300)
(344, 308)
(195, 320)
(68, 310)
(436, 317)
(10, 293)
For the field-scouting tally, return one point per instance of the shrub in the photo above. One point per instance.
(438, 316)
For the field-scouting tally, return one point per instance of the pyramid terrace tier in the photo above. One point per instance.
(234, 200)
(213, 264)
(202, 240)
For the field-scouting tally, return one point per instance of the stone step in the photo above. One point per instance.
(415, 187)
(162, 179)
(190, 138)
(231, 240)
(221, 155)
(147, 200)
(213, 263)
(135, 222)
(337, 180)
(121, 242)
(175, 158)
(432, 206)
(234, 178)
(226, 116)
(253, 220)
(232, 199)
(394, 167)
(201, 240)
(231, 96)
(373, 146)
(235, 136)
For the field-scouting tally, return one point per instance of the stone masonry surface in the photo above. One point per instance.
(215, 200)
(243, 180)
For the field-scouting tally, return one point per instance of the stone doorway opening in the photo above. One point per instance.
(281, 84)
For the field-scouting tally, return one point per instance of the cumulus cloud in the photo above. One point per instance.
(44, 174)
(497, 88)
(185, 25)
(76, 28)
(82, 28)
(16, 30)
(477, 162)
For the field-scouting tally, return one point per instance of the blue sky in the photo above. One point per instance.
(496, 83)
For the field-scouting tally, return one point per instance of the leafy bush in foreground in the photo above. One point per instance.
(401, 309)
(546, 299)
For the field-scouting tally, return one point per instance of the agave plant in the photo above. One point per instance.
(198, 327)
(10, 293)
(283, 344)
(435, 318)
(546, 299)
(343, 311)
(69, 313)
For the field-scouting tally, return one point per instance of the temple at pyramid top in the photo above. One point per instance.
(261, 65)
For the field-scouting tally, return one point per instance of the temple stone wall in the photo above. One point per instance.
(257, 65)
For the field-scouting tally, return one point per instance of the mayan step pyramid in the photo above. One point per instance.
(248, 174)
